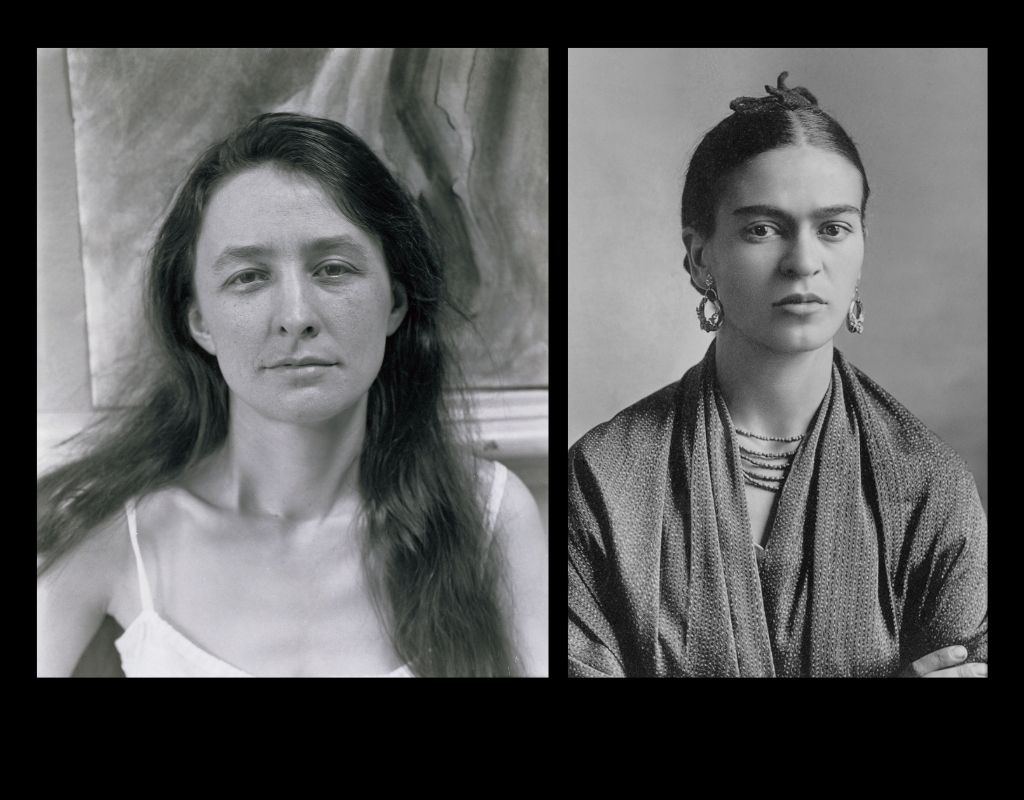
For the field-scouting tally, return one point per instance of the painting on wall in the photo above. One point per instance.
(465, 130)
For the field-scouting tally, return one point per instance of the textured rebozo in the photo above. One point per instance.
(877, 555)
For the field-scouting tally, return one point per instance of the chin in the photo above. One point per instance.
(305, 416)
(303, 408)
(799, 339)
(804, 343)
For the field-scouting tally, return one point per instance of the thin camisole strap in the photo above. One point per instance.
(144, 593)
(497, 492)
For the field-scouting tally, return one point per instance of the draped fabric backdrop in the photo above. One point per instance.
(465, 130)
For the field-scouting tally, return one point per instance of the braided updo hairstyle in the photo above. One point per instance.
(759, 124)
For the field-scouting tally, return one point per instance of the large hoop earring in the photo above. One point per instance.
(855, 316)
(713, 324)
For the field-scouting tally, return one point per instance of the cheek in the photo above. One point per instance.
(851, 259)
(239, 328)
(351, 321)
(858, 254)
(747, 269)
(353, 328)
(742, 257)
(361, 313)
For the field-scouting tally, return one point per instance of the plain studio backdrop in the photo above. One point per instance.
(919, 119)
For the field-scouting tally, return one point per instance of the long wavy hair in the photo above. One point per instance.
(435, 582)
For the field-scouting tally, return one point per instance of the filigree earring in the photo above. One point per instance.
(715, 322)
(855, 316)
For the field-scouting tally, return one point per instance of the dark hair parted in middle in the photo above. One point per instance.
(436, 581)
(785, 117)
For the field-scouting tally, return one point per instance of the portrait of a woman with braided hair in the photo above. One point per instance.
(775, 512)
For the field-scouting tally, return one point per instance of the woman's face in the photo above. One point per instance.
(788, 222)
(282, 275)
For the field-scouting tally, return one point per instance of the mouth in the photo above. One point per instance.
(290, 363)
(799, 299)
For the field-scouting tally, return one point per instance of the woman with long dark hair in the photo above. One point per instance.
(288, 496)
(775, 512)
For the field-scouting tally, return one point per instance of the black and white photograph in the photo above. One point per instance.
(292, 362)
(777, 363)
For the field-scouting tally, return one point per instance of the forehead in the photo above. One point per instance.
(268, 206)
(795, 179)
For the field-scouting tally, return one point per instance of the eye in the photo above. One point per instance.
(761, 230)
(841, 231)
(243, 277)
(334, 265)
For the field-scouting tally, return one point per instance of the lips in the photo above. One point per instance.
(301, 362)
(798, 299)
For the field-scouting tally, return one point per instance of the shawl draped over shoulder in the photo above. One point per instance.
(876, 557)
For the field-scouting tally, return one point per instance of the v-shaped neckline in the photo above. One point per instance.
(773, 514)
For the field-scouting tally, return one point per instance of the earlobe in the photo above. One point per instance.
(199, 332)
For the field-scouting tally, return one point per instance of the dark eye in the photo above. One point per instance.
(242, 279)
(761, 231)
(840, 231)
(339, 270)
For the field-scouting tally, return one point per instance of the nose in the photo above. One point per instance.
(295, 312)
(804, 257)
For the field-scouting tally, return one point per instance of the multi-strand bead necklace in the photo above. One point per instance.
(757, 459)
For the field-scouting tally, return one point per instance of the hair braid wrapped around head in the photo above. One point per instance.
(798, 97)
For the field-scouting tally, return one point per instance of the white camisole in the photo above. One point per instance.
(151, 647)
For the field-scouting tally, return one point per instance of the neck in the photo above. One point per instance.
(295, 472)
(767, 392)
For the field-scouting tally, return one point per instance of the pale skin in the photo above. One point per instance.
(267, 527)
(774, 366)
(293, 440)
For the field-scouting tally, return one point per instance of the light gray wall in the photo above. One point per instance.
(919, 118)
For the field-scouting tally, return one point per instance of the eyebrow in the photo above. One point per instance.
(818, 213)
(344, 245)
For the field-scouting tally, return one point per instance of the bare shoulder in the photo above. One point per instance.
(484, 474)
(74, 595)
(100, 554)
(520, 532)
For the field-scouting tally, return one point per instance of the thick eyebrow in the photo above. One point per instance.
(818, 213)
(343, 245)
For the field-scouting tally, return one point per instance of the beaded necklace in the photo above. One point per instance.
(781, 465)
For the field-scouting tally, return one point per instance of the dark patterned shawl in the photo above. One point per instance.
(877, 555)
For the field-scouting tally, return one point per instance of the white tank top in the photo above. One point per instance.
(151, 647)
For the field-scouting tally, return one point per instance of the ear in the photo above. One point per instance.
(197, 328)
(696, 249)
(399, 308)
